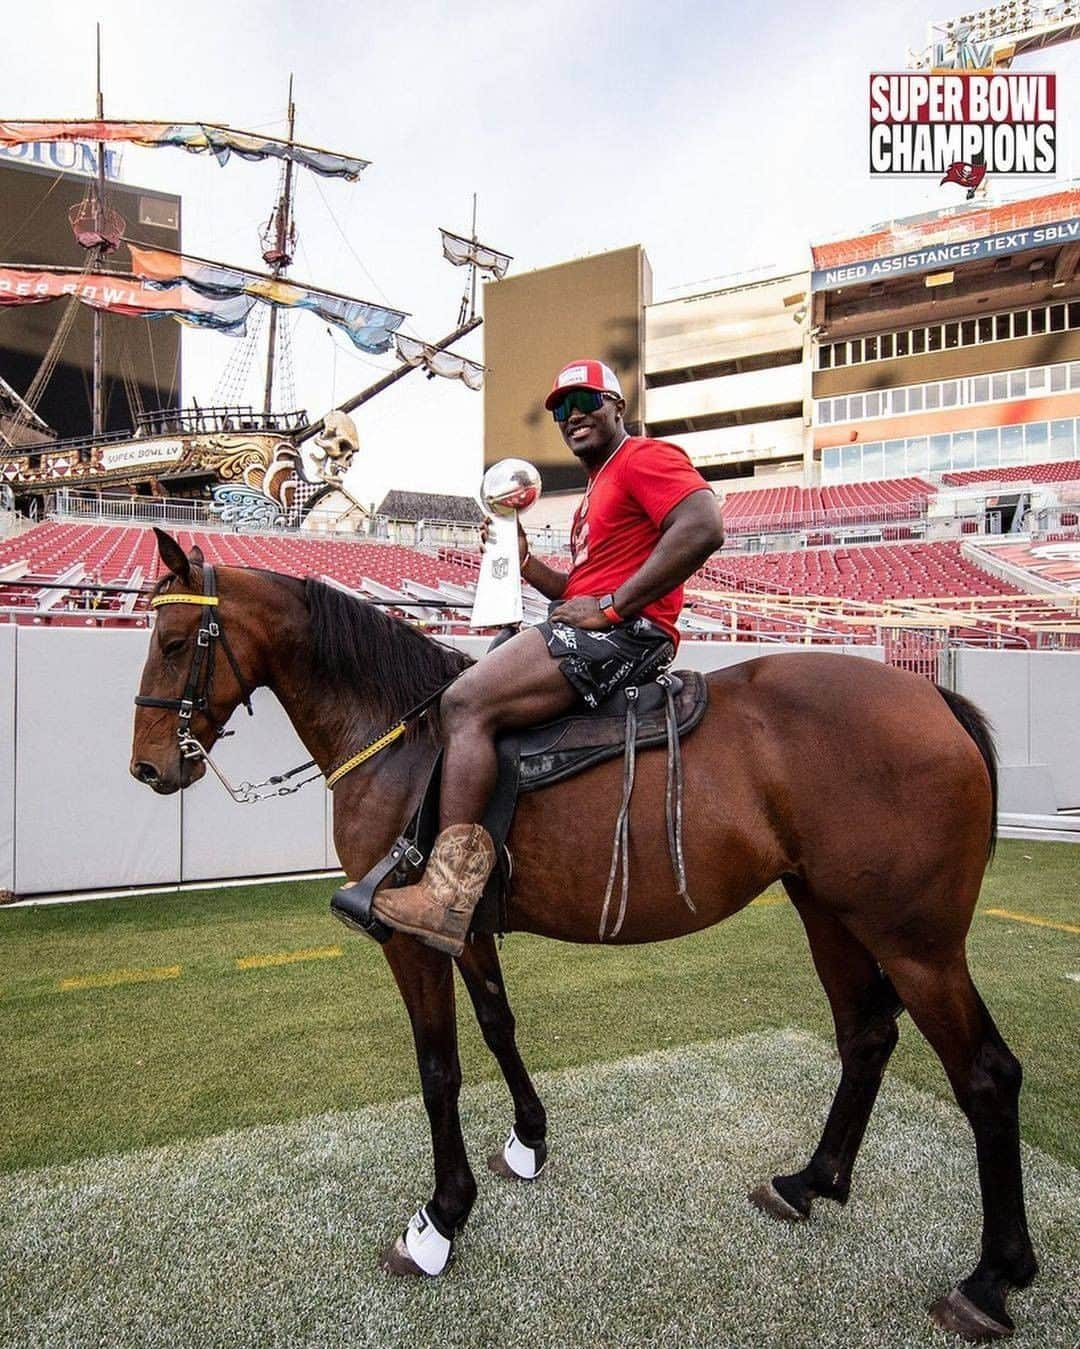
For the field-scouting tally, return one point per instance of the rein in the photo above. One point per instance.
(196, 698)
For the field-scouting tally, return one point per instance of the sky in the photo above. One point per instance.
(722, 137)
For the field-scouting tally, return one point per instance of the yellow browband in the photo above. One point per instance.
(183, 599)
(357, 759)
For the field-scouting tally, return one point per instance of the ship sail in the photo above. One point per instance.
(119, 293)
(467, 252)
(197, 137)
(369, 326)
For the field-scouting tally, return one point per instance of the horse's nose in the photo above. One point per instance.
(144, 772)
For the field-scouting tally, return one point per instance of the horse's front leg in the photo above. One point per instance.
(426, 980)
(524, 1153)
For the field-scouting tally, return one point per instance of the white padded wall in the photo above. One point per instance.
(82, 822)
(221, 838)
(8, 636)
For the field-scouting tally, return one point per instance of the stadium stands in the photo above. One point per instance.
(1066, 471)
(761, 510)
(873, 573)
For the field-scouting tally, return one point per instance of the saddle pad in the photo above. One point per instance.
(559, 749)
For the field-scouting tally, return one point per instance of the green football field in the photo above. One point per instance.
(210, 1099)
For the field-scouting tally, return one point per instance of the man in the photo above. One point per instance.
(647, 521)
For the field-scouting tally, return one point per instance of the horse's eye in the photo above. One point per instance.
(174, 647)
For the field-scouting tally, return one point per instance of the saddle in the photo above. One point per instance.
(660, 712)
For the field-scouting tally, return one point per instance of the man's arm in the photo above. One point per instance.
(689, 534)
(547, 580)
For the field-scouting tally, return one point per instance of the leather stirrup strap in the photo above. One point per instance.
(673, 801)
(621, 847)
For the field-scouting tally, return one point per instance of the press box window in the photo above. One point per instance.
(952, 335)
(903, 344)
(158, 211)
(885, 343)
(1057, 318)
(1020, 324)
(918, 341)
(933, 338)
(870, 346)
(1038, 321)
(825, 358)
(967, 333)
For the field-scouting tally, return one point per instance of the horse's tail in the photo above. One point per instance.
(978, 727)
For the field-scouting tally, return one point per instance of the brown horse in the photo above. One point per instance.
(869, 793)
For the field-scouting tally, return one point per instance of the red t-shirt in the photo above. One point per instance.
(617, 523)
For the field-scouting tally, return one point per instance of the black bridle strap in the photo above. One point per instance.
(196, 696)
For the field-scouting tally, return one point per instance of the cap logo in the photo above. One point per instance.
(573, 374)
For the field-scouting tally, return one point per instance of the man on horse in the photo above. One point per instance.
(646, 522)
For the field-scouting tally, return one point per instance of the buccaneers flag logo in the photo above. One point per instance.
(967, 175)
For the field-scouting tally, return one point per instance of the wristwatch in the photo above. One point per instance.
(607, 608)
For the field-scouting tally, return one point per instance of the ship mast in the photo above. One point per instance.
(98, 254)
(278, 253)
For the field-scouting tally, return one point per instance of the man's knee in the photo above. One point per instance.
(465, 707)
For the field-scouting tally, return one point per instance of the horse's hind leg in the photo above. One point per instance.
(985, 1077)
(426, 980)
(523, 1155)
(864, 1007)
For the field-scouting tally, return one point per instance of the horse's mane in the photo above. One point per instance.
(360, 649)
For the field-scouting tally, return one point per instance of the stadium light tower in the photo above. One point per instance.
(992, 38)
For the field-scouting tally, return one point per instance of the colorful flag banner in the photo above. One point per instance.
(460, 251)
(118, 293)
(369, 327)
(436, 362)
(198, 137)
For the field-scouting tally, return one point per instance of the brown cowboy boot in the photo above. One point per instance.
(439, 908)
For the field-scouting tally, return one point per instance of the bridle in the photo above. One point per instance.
(196, 695)
(196, 698)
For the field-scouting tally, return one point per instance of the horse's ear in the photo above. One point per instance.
(195, 557)
(172, 555)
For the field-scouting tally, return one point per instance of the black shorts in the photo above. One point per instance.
(596, 664)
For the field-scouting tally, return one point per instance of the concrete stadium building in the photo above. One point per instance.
(933, 345)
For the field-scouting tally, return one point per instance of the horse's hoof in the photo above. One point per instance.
(498, 1163)
(516, 1160)
(397, 1260)
(959, 1315)
(769, 1199)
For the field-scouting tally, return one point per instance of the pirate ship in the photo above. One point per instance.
(260, 465)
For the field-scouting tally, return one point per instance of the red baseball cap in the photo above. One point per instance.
(584, 375)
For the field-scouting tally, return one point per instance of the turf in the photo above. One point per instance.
(637, 1235)
(95, 1070)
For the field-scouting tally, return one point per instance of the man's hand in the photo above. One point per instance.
(581, 612)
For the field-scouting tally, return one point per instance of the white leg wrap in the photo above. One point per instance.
(520, 1158)
(426, 1244)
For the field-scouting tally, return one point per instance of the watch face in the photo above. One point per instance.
(607, 601)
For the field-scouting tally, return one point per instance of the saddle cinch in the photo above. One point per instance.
(660, 712)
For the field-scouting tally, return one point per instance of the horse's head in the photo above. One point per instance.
(192, 681)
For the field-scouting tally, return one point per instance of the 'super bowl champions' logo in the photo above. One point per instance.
(961, 125)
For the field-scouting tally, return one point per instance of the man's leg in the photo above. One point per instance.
(518, 684)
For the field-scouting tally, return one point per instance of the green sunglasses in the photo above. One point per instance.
(579, 400)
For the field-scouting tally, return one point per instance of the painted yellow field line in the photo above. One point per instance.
(287, 957)
(1032, 919)
(110, 978)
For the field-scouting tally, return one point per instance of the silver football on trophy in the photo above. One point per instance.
(510, 485)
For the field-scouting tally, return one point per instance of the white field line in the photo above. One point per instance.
(638, 1234)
